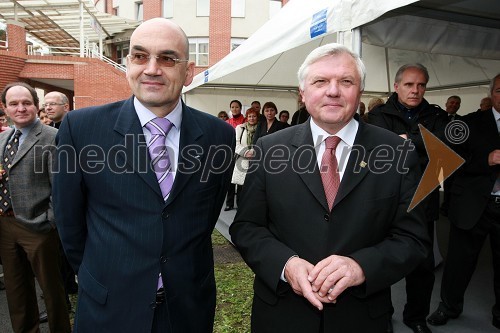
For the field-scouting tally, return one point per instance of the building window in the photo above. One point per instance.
(274, 7)
(139, 11)
(168, 8)
(116, 11)
(237, 8)
(198, 51)
(235, 42)
(202, 7)
(121, 53)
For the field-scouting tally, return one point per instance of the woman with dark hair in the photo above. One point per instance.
(236, 119)
(271, 124)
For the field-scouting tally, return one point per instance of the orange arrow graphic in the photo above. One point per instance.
(441, 157)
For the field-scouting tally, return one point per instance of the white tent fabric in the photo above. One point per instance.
(456, 54)
(271, 56)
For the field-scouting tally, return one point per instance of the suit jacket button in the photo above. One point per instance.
(326, 217)
(165, 215)
(152, 305)
(163, 259)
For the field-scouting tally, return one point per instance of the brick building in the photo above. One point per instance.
(90, 77)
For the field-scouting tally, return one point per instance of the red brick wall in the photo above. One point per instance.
(151, 9)
(16, 38)
(97, 83)
(10, 67)
(94, 82)
(219, 30)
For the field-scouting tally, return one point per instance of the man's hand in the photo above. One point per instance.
(494, 157)
(296, 273)
(332, 275)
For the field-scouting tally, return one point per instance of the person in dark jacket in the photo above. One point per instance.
(402, 114)
(271, 124)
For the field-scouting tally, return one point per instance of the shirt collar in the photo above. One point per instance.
(145, 115)
(26, 129)
(496, 114)
(347, 134)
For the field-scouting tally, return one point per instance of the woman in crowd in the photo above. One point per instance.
(271, 124)
(236, 119)
(42, 115)
(244, 147)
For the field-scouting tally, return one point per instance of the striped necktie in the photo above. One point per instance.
(159, 128)
(329, 170)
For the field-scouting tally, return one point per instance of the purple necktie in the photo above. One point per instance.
(159, 128)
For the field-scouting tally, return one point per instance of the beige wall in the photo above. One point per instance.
(256, 14)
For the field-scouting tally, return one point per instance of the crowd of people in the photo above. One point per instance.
(127, 195)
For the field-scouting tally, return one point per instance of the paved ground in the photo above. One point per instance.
(478, 299)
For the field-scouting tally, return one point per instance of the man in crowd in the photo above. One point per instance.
(474, 211)
(256, 105)
(56, 106)
(402, 114)
(301, 115)
(326, 265)
(29, 243)
(137, 227)
(485, 104)
(451, 107)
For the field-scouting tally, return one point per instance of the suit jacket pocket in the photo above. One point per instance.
(380, 303)
(91, 286)
(264, 293)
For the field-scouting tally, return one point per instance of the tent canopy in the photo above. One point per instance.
(456, 40)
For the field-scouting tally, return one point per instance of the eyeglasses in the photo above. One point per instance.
(162, 60)
(51, 104)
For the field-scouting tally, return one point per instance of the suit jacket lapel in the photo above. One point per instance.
(191, 134)
(357, 167)
(310, 174)
(29, 141)
(128, 125)
(490, 127)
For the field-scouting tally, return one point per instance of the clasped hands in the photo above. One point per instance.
(324, 282)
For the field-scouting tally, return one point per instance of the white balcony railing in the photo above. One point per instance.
(72, 51)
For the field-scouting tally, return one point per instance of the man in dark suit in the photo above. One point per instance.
(402, 114)
(56, 106)
(474, 211)
(327, 264)
(451, 107)
(29, 244)
(143, 254)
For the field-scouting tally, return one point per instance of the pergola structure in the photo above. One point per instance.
(64, 23)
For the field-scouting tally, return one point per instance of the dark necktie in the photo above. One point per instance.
(159, 128)
(8, 157)
(329, 170)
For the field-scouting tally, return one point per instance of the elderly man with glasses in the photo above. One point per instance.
(56, 106)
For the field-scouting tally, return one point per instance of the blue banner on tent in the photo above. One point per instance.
(318, 23)
(206, 76)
